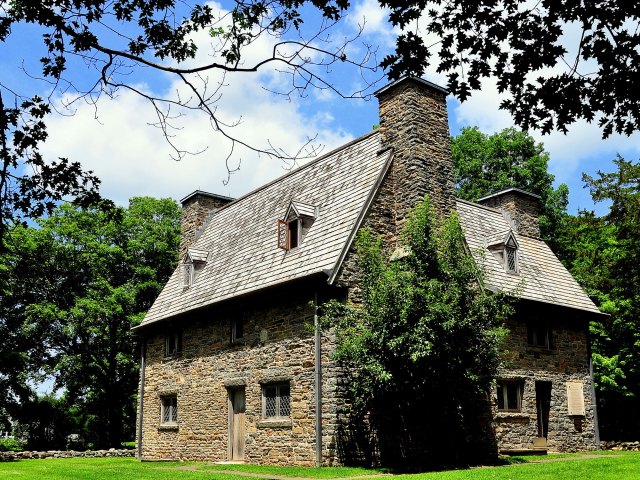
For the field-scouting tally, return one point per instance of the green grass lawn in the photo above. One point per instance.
(613, 466)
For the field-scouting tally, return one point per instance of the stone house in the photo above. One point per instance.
(232, 371)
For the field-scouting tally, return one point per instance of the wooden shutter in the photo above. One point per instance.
(283, 235)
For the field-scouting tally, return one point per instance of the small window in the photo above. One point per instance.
(294, 233)
(173, 344)
(289, 234)
(237, 329)
(169, 411)
(538, 335)
(276, 400)
(511, 263)
(510, 396)
(193, 264)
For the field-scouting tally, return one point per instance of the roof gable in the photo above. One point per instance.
(542, 277)
(242, 237)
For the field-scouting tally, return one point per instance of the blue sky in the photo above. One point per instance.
(115, 139)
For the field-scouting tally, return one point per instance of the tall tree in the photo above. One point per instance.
(486, 164)
(428, 312)
(604, 253)
(81, 281)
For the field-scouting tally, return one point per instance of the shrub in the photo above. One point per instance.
(10, 445)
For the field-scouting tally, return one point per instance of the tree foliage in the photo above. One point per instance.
(424, 339)
(75, 287)
(545, 84)
(31, 186)
(604, 253)
(486, 164)
(555, 62)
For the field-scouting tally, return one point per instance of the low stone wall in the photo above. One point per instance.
(613, 445)
(11, 456)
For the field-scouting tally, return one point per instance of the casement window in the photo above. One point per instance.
(295, 225)
(237, 329)
(511, 259)
(538, 335)
(505, 249)
(194, 262)
(276, 400)
(169, 410)
(173, 343)
(510, 395)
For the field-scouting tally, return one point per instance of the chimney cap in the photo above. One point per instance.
(509, 190)
(205, 194)
(407, 78)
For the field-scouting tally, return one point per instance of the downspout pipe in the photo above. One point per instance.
(143, 354)
(318, 372)
(595, 404)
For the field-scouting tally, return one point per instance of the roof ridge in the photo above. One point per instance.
(302, 167)
(474, 204)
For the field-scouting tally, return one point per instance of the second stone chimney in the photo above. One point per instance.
(413, 121)
(196, 208)
(520, 208)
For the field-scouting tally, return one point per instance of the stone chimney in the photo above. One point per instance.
(413, 121)
(196, 208)
(520, 208)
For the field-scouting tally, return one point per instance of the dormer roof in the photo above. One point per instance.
(195, 255)
(298, 209)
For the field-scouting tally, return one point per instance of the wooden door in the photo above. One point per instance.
(543, 407)
(236, 424)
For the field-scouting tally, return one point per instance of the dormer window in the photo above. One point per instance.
(194, 262)
(295, 225)
(505, 249)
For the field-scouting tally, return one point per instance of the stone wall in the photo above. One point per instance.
(195, 210)
(12, 456)
(522, 209)
(566, 360)
(278, 346)
(413, 121)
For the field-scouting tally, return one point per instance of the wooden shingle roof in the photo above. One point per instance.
(241, 237)
(541, 276)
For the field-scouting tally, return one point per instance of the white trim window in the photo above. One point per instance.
(276, 400)
(169, 410)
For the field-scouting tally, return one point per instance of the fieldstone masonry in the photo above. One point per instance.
(566, 360)
(278, 346)
(195, 210)
(521, 208)
(413, 121)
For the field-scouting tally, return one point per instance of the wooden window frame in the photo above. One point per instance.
(278, 397)
(532, 335)
(511, 253)
(503, 390)
(173, 343)
(169, 402)
(235, 322)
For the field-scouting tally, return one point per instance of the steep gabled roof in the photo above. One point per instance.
(541, 276)
(241, 237)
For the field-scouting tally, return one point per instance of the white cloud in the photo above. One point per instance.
(369, 15)
(132, 158)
